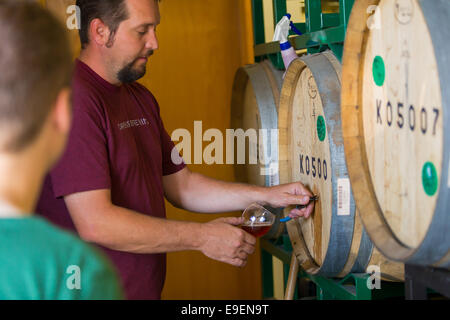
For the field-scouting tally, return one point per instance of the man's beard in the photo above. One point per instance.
(128, 74)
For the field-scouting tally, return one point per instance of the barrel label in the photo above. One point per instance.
(314, 167)
(408, 117)
(429, 178)
(378, 71)
(343, 188)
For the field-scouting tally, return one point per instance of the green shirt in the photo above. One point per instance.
(41, 262)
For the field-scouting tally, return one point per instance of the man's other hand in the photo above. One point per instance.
(223, 241)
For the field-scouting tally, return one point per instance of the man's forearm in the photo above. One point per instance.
(129, 231)
(198, 193)
(207, 195)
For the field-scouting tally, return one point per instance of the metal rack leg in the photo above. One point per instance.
(414, 290)
(267, 274)
(419, 279)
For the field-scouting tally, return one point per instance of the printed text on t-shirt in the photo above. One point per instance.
(133, 123)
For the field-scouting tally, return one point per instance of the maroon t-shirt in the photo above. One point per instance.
(117, 142)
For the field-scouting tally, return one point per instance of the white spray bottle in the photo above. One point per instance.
(281, 35)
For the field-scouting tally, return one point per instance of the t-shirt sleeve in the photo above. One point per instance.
(84, 165)
(171, 158)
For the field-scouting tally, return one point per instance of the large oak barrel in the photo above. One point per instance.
(332, 242)
(254, 106)
(396, 122)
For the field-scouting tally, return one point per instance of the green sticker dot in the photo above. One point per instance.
(379, 71)
(429, 179)
(321, 128)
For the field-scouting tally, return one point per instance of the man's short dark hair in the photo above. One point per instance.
(35, 64)
(111, 12)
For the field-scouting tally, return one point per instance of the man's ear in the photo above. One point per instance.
(62, 112)
(99, 32)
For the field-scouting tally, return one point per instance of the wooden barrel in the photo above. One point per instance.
(254, 105)
(396, 125)
(332, 242)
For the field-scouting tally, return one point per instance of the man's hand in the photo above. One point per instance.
(289, 195)
(224, 242)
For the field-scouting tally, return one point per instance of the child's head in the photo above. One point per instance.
(35, 73)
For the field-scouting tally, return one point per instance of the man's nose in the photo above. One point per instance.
(152, 41)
